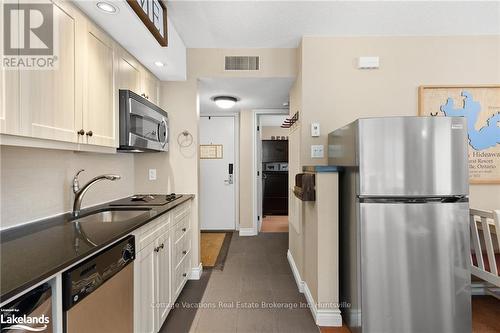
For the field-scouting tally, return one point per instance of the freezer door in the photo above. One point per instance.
(415, 273)
(413, 156)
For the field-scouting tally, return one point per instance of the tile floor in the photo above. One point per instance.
(256, 273)
(256, 270)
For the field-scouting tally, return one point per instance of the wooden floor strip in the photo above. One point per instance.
(211, 244)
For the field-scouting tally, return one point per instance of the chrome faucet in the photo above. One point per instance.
(80, 192)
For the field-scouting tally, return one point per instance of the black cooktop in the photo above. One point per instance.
(147, 200)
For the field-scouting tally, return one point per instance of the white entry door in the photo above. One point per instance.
(217, 190)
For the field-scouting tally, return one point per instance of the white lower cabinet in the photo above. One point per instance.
(163, 277)
(144, 289)
(161, 268)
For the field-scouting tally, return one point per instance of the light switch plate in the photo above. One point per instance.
(317, 151)
(315, 131)
(152, 174)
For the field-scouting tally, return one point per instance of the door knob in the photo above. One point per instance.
(89, 133)
(81, 132)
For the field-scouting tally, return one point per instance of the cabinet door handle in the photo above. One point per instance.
(157, 249)
(184, 252)
(81, 132)
(162, 246)
(89, 133)
(184, 229)
(185, 274)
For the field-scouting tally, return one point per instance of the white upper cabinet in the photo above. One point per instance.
(99, 111)
(132, 76)
(9, 94)
(128, 73)
(150, 86)
(9, 101)
(75, 102)
(50, 99)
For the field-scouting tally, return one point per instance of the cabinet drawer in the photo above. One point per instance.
(181, 228)
(181, 275)
(182, 249)
(149, 232)
(179, 212)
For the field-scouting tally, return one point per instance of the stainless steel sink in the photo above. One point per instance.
(112, 215)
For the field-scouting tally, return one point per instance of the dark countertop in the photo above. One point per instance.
(33, 252)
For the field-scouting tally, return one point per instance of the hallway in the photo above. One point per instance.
(256, 274)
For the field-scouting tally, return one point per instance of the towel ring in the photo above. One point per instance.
(185, 139)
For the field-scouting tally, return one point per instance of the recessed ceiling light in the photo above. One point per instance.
(159, 64)
(107, 7)
(225, 102)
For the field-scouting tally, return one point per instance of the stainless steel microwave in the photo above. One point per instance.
(143, 125)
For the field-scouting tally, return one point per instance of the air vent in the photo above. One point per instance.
(241, 63)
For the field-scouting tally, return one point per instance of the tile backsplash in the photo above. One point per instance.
(36, 183)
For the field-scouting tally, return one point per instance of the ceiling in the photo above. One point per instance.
(275, 24)
(252, 93)
(128, 30)
(270, 24)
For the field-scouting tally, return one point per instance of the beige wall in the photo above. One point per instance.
(320, 242)
(266, 132)
(295, 239)
(246, 169)
(179, 170)
(36, 183)
(335, 92)
(330, 90)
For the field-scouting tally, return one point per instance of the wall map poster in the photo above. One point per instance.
(480, 105)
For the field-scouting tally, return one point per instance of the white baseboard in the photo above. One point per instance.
(295, 271)
(322, 317)
(196, 272)
(248, 232)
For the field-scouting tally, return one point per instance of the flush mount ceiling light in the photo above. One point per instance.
(107, 7)
(225, 102)
(159, 64)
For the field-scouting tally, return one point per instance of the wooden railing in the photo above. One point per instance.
(485, 231)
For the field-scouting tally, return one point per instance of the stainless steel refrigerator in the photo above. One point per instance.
(404, 235)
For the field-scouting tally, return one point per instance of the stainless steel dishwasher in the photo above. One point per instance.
(99, 292)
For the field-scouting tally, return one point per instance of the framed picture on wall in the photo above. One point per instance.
(480, 105)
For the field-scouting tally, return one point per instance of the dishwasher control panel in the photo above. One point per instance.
(82, 279)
